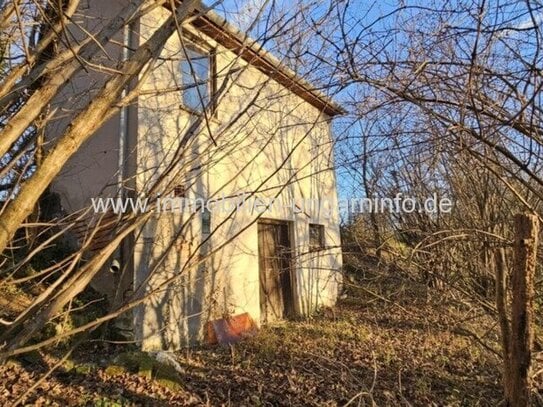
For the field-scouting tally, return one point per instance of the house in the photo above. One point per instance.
(264, 236)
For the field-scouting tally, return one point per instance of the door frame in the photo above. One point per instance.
(292, 312)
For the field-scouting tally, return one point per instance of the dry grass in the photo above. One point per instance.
(400, 349)
(363, 352)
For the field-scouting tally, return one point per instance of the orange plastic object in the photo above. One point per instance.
(230, 330)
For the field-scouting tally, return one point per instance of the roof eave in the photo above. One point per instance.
(229, 36)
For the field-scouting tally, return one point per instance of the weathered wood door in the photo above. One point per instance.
(274, 252)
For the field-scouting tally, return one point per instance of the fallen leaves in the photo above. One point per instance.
(367, 352)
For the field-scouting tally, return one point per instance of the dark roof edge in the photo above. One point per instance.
(217, 28)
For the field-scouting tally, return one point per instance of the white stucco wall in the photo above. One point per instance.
(281, 136)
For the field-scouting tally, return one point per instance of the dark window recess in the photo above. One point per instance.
(196, 78)
(179, 191)
(316, 237)
(206, 221)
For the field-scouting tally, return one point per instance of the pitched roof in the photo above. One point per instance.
(224, 33)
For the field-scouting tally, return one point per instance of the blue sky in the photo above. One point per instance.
(512, 17)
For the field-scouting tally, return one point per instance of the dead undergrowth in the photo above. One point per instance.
(386, 344)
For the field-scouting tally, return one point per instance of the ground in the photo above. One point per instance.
(393, 346)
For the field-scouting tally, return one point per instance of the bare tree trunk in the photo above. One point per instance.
(501, 306)
(525, 260)
(77, 283)
(28, 67)
(49, 89)
(6, 14)
(83, 127)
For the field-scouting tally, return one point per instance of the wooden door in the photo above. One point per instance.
(274, 251)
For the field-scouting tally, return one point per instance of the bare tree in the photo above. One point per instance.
(209, 139)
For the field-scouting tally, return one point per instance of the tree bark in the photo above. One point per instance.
(101, 108)
(59, 76)
(525, 260)
(501, 307)
(28, 68)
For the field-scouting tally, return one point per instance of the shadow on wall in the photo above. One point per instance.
(176, 312)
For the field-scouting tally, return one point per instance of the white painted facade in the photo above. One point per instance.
(280, 148)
